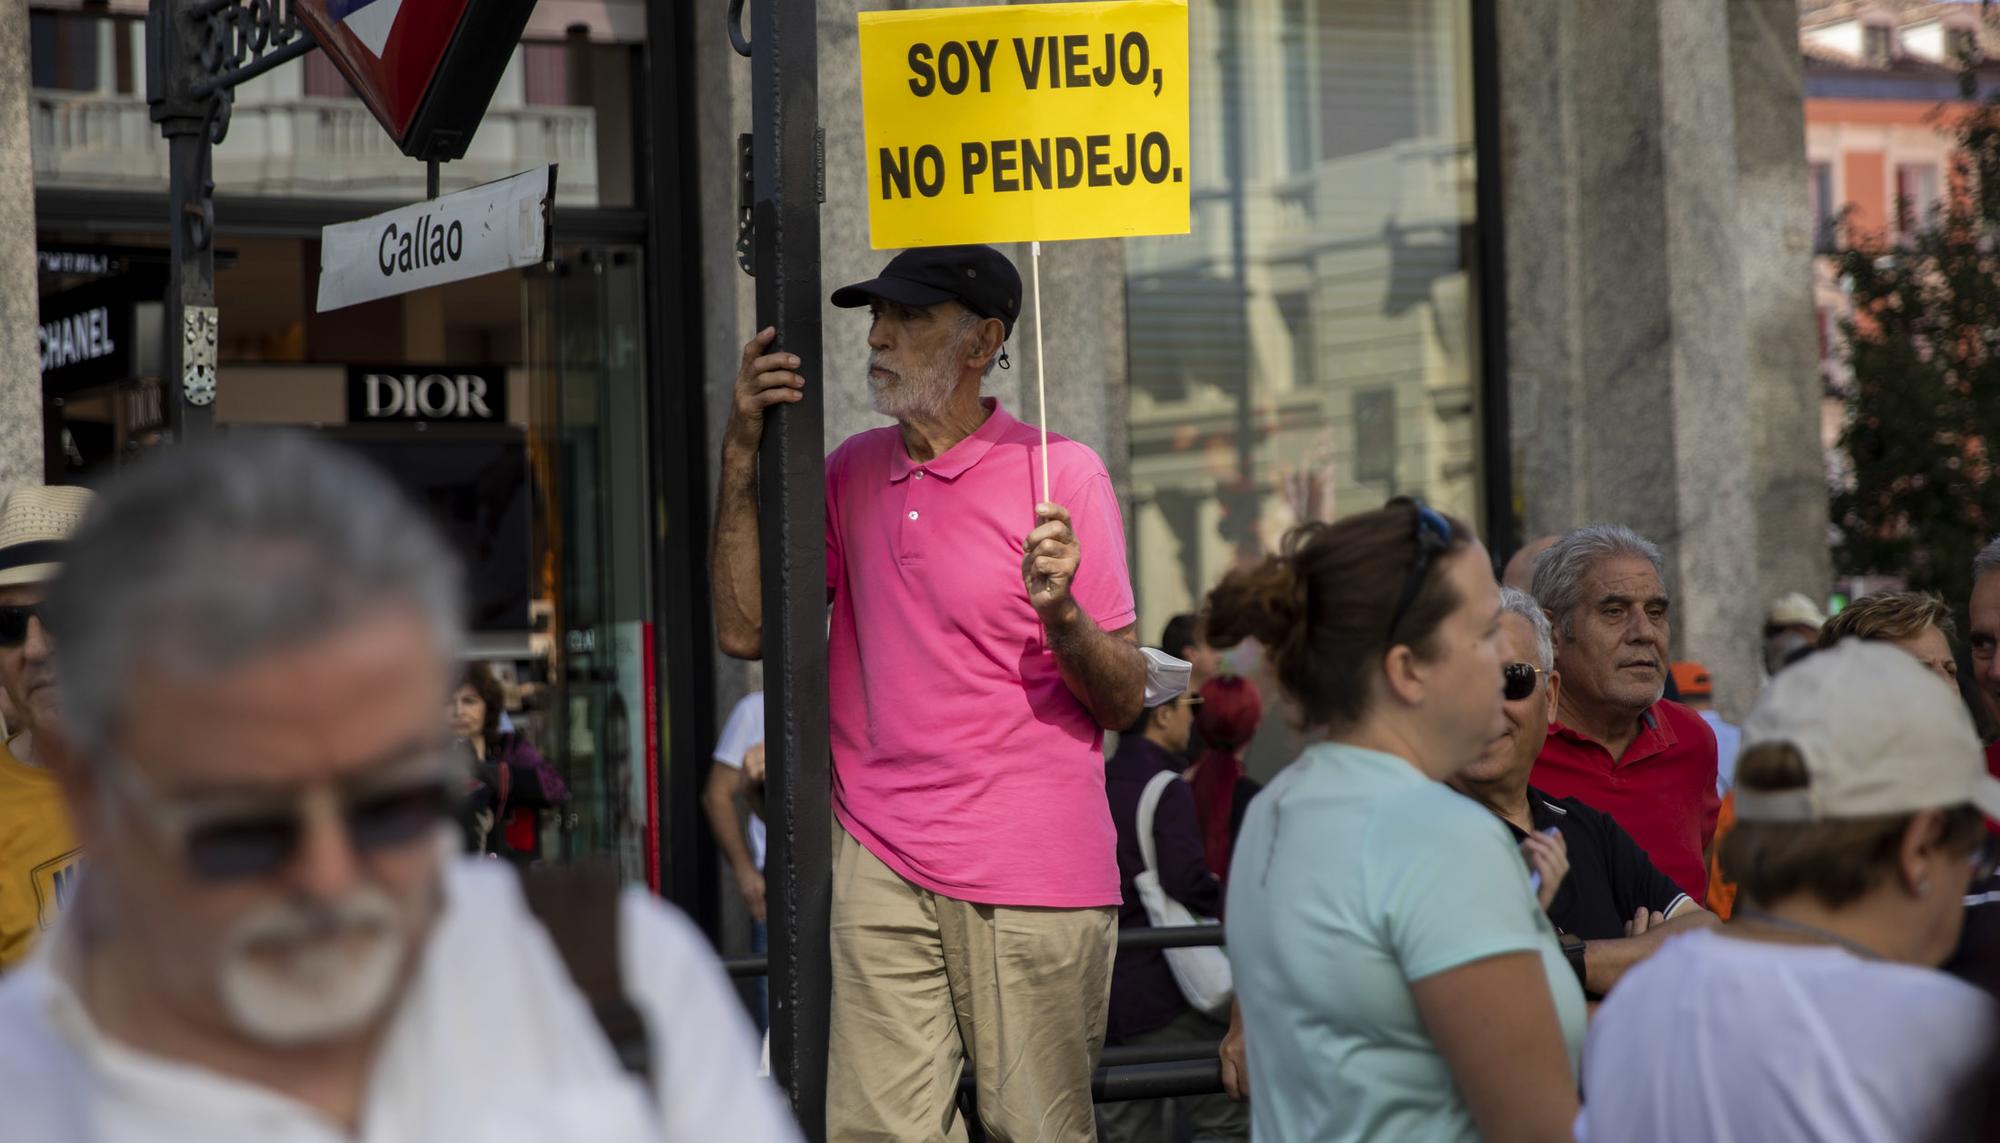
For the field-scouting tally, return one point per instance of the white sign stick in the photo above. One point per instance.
(1041, 373)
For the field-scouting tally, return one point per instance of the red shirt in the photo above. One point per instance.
(1662, 791)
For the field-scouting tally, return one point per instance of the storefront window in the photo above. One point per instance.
(511, 407)
(1310, 348)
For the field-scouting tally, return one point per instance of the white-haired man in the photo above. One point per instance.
(274, 941)
(973, 666)
(1618, 745)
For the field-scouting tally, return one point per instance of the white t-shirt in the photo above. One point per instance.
(1723, 1039)
(1728, 739)
(492, 1043)
(745, 729)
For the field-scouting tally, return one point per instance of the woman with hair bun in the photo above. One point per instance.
(1397, 976)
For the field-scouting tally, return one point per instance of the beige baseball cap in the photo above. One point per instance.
(35, 525)
(1796, 609)
(1879, 735)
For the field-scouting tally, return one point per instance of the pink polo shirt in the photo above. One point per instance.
(960, 758)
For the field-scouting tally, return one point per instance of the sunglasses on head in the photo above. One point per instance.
(1433, 536)
(14, 622)
(246, 841)
(1519, 680)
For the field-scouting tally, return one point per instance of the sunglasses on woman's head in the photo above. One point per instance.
(1433, 536)
(1519, 680)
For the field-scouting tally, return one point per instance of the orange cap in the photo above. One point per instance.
(1691, 680)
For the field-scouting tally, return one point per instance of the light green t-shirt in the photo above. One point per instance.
(1353, 876)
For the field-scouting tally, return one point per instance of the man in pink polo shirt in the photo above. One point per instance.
(1618, 746)
(980, 644)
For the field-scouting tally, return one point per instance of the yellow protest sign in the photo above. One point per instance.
(1027, 122)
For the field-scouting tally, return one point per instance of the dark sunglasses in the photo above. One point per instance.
(14, 623)
(1519, 680)
(1433, 536)
(230, 845)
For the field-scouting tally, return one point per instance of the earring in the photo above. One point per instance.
(1924, 887)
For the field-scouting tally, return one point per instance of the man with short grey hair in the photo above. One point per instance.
(274, 940)
(1613, 907)
(1618, 745)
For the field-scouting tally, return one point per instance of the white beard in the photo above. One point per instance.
(315, 990)
(920, 394)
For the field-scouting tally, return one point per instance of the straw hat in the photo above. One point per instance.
(35, 524)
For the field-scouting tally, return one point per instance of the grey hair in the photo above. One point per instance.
(1987, 560)
(1514, 601)
(209, 555)
(1560, 571)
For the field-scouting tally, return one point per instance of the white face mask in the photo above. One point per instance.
(296, 974)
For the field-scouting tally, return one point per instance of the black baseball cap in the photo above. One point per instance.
(979, 276)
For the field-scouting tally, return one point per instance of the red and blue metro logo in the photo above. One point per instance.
(371, 21)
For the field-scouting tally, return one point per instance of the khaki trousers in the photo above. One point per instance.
(921, 982)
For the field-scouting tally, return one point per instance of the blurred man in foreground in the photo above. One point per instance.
(274, 942)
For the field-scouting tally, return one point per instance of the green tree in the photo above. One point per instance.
(1920, 496)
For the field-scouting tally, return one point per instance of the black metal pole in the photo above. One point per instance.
(174, 69)
(784, 64)
(677, 412)
(1496, 443)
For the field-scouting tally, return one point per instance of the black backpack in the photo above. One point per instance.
(578, 905)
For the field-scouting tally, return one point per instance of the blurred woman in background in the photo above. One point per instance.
(510, 774)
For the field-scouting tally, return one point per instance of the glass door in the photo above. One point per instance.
(590, 448)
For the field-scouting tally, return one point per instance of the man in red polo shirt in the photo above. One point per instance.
(1618, 746)
(979, 644)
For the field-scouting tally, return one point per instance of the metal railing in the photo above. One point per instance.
(1125, 1071)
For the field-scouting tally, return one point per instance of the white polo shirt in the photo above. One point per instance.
(492, 1043)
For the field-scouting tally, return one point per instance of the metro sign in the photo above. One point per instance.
(426, 68)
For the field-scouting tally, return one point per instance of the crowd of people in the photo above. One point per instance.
(1510, 889)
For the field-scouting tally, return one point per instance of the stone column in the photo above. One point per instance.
(1774, 241)
(1630, 325)
(20, 353)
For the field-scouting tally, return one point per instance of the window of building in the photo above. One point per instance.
(1878, 44)
(63, 51)
(1329, 360)
(1296, 40)
(1916, 197)
(545, 74)
(1824, 239)
(323, 80)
